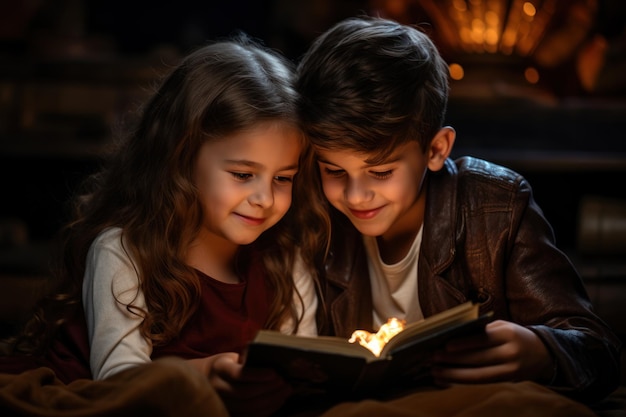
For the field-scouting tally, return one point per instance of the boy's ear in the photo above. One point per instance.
(440, 148)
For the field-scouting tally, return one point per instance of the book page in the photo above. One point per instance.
(462, 313)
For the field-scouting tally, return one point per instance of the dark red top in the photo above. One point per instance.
(68, 355)
(228, 317)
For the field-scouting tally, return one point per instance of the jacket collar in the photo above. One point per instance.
(438, 241)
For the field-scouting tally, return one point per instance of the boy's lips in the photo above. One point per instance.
(365, 214)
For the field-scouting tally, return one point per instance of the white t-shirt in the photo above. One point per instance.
(115, 340)
(394, 287)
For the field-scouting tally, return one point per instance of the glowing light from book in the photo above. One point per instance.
(376, 341)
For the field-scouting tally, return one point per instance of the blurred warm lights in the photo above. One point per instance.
(532, 75)
(529, 9)
(456, 71)
(497, 26)
(541, 33)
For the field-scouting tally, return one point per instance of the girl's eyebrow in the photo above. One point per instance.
(257, 165)
(289, 167)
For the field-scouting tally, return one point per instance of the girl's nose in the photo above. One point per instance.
(262, 195)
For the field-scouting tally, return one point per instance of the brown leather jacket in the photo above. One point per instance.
(485, 239)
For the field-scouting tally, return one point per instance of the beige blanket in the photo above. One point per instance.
(166, 387)
(170, 387)
(523, 399)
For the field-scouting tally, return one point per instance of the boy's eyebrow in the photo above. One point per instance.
(257, 165)
(369, 162)
(391, 159)
(325, 161)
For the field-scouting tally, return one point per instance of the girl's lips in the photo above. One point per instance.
(253, 221)
(365, 214)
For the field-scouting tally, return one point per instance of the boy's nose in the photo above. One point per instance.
(357, 192)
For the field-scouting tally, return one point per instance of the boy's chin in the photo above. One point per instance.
(371, 230)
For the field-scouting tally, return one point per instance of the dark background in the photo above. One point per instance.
(71, 71)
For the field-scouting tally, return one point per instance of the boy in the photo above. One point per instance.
(415, 233)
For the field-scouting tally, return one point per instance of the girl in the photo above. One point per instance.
(185, 245)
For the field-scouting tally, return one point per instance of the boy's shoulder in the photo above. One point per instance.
(476, 180)
(474, 184)
(469, 168)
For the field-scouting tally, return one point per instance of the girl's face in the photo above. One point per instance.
(245, 181)
(380, 200)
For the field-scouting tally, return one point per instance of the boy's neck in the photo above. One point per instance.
(395, 243)
(394, 250)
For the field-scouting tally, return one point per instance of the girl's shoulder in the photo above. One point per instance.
(109, 266)
(109, 247)
(110, 237)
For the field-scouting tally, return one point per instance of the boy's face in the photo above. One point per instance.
(380, 200)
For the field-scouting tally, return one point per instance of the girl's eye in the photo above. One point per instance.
(283, 179)
(241, 176)
(333, 172)
(382, 175)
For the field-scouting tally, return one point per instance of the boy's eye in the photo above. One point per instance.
(382, 174)
(241, 176)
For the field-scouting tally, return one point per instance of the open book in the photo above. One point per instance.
(334, 363)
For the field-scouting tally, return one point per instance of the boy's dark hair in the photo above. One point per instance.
(370, 84)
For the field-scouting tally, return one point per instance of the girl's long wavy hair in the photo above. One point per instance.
(147, 190)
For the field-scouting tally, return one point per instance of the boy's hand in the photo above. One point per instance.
(258, 392)
(504, 352)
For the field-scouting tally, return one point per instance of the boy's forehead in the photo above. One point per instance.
(381, 157)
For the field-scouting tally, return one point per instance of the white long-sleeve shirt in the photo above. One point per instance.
(111, 282)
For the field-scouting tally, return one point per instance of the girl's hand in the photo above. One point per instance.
(258, 392)
(504, 352)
